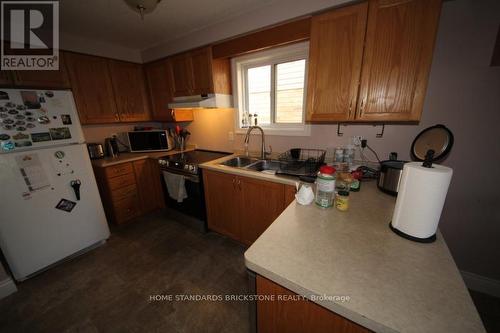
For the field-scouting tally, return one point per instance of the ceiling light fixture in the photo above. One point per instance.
(142, 6)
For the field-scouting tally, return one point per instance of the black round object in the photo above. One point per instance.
(437, 138)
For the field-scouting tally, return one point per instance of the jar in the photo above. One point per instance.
(325, 187)
(339, 154)
(356, 181)
(349, 154)
(342, 200)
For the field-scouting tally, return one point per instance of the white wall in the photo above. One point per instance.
(278, 11)
(463, 94)
(73, 43)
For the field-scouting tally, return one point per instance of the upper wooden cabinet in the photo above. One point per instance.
(6, 78)
(38, 78)
(45, 79)
(387, 80)
(336, 52)
(129, 87)
(92, 88)
(195, 73)
(159, 78)
(397, 59)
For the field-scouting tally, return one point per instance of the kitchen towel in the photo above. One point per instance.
(420, 199)
(175, 186)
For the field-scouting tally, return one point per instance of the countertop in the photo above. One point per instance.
(130, 157)
(394, 285)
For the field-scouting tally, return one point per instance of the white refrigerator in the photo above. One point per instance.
(50, 207)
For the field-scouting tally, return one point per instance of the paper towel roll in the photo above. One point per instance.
(421, 197)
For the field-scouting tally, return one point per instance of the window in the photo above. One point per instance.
(271, 85)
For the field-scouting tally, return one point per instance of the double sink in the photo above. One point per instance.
(252, 164)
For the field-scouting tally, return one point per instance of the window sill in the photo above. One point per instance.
(304, 130)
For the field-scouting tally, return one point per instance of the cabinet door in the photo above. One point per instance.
(201, 61)
(92, 88)
(222, 200)
(44, 79)
(262, 202)
(147, 177)
(335, 56)
(182, 72)
(397, 58)
(159, 76)
(129, 86)
(6, 79)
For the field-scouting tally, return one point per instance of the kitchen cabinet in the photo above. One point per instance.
(196, 73)
(38, 79)
(44, 79)
(129, 87)
(147, 177)
(92, 89)
(377, 76)
(288, 313)
(397, 59)
(336, 52)
(130, 189)
(237, 208)
(159, 78)
(6, 79)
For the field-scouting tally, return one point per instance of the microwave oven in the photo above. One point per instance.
(145, 141)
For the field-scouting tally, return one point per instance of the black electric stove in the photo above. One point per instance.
(187, 162)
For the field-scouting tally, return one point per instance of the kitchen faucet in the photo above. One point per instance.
(247, 139)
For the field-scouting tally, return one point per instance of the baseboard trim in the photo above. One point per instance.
(7, 287)
(481, 283)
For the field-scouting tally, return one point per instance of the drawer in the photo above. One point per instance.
(122, 192)
(121, 181)
(118, 170)
(126, 209)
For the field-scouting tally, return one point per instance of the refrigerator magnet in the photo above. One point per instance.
(66, 205)
(66, 119)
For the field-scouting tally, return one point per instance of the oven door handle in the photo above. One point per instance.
(191, 178)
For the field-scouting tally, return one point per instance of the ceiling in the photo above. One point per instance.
(113, 21)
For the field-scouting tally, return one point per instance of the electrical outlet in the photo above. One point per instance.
(356, 140)
(230, 136)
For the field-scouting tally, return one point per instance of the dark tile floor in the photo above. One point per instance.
(109, 288)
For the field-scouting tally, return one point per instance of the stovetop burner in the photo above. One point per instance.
(188, 161)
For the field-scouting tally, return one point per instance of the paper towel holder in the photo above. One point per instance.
(412, 238)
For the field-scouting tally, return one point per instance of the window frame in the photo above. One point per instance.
(274, 56)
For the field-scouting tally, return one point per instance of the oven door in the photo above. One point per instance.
(194, 204)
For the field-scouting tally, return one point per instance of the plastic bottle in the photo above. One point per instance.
(325, 187)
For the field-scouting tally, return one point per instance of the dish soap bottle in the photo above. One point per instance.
(325, 187)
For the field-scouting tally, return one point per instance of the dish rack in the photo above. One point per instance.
(301, 162)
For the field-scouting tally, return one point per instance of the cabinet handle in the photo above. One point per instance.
(239, 184)
(350, 108)
(234, 183)
(362, 106)
(172, 114)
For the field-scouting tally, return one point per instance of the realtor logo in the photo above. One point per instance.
(30, 35)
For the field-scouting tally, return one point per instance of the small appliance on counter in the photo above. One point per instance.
(423, 187)
(111, 145)
(96, 151)
(145, 141)
(389, 175)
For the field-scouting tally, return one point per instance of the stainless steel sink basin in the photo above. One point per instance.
(263, 165)
(239, 161)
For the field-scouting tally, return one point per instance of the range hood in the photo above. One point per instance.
(204, 101)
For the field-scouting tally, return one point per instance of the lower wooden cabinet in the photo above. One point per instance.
(130, 189)
(288, 314)
(241, 207)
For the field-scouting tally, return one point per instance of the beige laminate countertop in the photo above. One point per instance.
(130, 157)
(394, 285)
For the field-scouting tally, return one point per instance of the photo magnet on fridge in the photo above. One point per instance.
(66, 205)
